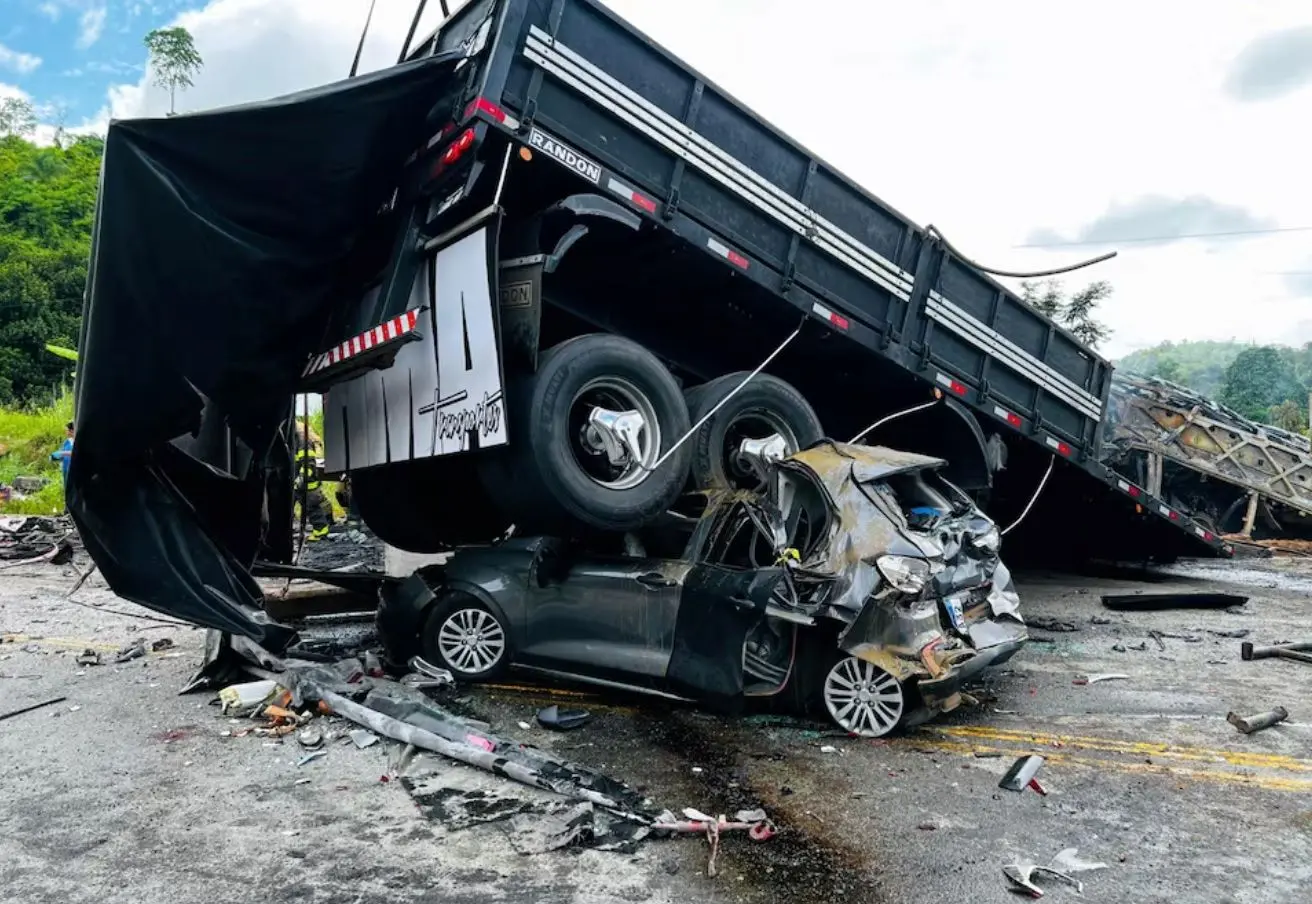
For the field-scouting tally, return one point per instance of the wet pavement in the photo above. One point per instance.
(135, 796)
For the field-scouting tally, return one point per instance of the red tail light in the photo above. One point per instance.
(458, 147)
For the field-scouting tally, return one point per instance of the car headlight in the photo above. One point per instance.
(905, 574)
(989, 541)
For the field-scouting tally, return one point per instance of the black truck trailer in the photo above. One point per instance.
(739, 232)
(532, 267)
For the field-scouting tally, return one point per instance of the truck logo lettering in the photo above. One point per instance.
(517, 295)
(566, 155)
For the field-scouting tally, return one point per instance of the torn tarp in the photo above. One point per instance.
(217, 258)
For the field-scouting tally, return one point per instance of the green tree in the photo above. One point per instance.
(1077, 313)
(174, 60)
(17, 117)
(1288, 415)
(1257, 380)
(47, 200)
(1167, 369)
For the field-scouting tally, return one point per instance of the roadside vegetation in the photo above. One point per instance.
(27, 437)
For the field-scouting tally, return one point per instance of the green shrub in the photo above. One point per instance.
(28, 437)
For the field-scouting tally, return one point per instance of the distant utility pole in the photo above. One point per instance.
(173, 60)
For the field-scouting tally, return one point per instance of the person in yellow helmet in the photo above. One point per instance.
(318, 512)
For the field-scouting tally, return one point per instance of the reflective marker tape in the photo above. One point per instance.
(628, 193)
(1009, 417)
(727, 253)
(379, 335)
(824, 313)
(955, 385)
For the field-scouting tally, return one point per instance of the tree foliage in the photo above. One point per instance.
(47, 200)
(1078, 313)
(17, 117)
(174, 60)
(1199, 365)
(1258, 380)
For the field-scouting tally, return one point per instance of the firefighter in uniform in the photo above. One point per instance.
(318, 514)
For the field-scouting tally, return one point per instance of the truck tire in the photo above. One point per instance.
(427, 506)
(765, 406)
(556, 474)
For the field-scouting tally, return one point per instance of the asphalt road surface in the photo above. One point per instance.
(127, 792)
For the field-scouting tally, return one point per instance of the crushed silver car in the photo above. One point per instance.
(857, 582)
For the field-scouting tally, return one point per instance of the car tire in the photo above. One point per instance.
(465, 636)
(428, 505)
(764, 406)
(554, 476)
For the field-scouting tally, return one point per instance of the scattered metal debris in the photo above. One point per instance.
(1022, 772)
(239, 698)
(1104, 676)
(1056, 625)
(1147, 602)
(1024, 876)
(1297, 652)
(563, 719)
(88, 657)
(310, 757)
(164, 643)
(28, 709)
(1251, 724)
(134, 650)
(310, 738)
(1157, 637)
(362, 739)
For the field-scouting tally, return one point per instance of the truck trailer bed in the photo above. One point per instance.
(576, 84)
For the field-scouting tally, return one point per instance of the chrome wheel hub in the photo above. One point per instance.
(862, 698)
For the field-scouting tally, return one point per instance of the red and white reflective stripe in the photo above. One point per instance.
(1166, 512)
(1009, 417)
(632, 195)
(824, 313)
(1062, 448)
(728, 253)
(383, 333)
(1128, 488)
(483, 105)
(1205, 534)
(955, 385)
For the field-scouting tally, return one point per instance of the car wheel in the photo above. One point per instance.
(586, 432)
(766, 407)
(863, 698)
(464, 636)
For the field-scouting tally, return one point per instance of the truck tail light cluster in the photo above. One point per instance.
(458, 147)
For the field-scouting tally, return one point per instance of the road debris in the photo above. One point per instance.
(1251, 724)
(28, 709)
(164, 643)
(134, 650)
(1055, 625)
(88, 657)
(362, 739)
(310, 738)
(310, 757)
(1148, 602)
(1025, 876)
(558, 719)
(1103, 676)
(1298, 652)
(245, 698)
(1157, 637)
(1021, 774)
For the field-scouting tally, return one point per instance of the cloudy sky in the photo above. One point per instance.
(1032, 133)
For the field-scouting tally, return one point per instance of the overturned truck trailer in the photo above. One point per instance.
(1234, 475)
(546, 275)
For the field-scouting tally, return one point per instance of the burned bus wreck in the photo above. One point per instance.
(856, 581)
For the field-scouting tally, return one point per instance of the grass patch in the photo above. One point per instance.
(28, 437)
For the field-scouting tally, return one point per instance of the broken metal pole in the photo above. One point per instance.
(1248, 652)
(1250, 516)
(1250, 724)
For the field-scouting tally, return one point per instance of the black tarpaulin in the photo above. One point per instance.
(216, 261)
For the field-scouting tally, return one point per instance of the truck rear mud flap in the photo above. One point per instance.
(216, 261)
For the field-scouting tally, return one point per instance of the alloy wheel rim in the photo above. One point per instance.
(863, 698)
(472, 641)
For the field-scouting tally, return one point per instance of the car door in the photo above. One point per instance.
(610, 614)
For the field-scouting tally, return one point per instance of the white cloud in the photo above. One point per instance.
(13, 91)
(50, 10)
(991, 121)
(90, 25)
(16, 60)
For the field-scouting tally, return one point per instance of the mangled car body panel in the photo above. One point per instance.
(864, 549)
